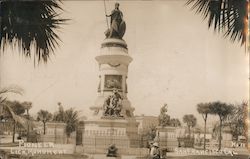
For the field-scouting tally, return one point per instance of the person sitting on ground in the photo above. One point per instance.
(155, 151)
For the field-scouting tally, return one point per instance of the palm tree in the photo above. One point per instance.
(222, 110)
(228, 16)
(191, 121)
(71, 120)
(44, 116)
(30, 24)
(204, 110)
(69, 116)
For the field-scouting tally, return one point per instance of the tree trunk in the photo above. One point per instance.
(189, 132)
(205, 133)
(14, 132)
(44, 128)
(220, 137)
(68, 139)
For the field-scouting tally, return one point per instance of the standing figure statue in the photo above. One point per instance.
(117, 25)
(113, 105)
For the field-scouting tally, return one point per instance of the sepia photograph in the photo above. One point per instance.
(124, 79)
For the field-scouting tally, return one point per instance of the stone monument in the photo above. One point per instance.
(113, 121)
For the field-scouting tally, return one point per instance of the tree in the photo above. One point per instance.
(191, 121)
(44, 116)
(222, 110)
(12, 110)
(204, 110)
(164, 118)
(69, 116)
(27, 106)
(228, 16)
(18, 109)
(175, 122)
(30, 25)
(237, 120)
(151, 133)
(71, 120)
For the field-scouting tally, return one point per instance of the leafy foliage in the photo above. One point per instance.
(191, 121)
(71, 119)
(164, 118)
(69, 116)
(30, 23)
(10, 109)
(223, 110)
(44, 116)
(17, 107)
(175, 122)
(237, 120)
(228, 16)
(151, 133)
(204, 110)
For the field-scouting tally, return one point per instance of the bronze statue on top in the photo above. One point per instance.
(117, 24)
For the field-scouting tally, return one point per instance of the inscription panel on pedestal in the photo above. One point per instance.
(113, 81)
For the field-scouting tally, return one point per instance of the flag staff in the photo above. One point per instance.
(106, 13)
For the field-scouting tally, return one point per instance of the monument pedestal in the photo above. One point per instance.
(167, 137)
(100, 134)
(113, 121)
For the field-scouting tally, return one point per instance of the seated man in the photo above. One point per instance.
(155, 151)
(112, 151)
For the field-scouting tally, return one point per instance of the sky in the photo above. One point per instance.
(176, 60)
